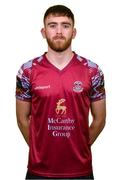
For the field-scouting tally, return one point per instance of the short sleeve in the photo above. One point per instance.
(97, 85)
(23, 88)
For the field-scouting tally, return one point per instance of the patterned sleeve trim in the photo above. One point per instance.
(98, 89)
(23, 88)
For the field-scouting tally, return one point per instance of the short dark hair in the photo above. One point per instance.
(59, 10)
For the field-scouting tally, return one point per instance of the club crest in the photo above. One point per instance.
(77, 86)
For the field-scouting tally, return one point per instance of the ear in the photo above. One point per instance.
(74, 33)
(43, 32)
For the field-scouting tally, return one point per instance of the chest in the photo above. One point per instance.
(50, 83)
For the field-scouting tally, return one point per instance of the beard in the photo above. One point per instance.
(59, 44)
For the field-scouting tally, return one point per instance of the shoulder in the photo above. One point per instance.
(29, 64)
(26, 67)
(90, 65)
(86, 62)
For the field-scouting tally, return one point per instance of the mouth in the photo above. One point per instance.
(59, 38)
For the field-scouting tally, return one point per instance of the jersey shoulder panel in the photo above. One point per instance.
(87, 63)
(96, 79)
(23, 79)
(26, 68)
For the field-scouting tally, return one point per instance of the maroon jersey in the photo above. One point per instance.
(59, 126)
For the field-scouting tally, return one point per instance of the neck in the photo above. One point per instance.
(59, 59)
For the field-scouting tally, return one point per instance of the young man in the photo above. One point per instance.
(54, 95)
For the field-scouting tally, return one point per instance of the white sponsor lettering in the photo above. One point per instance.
(42, 87)
(61, 134)
(59, 120)
(61, 127)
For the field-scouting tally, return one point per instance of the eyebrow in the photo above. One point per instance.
(67, 23)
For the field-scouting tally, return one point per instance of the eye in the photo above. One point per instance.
(66, 26)
(52, 25)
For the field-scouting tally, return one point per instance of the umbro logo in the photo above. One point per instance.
(42, 87)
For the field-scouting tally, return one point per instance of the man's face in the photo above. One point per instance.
(59, 32)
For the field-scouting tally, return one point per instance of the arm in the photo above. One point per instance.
(23, 109)
(98, 111)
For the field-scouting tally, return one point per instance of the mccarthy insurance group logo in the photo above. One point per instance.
(61, 125)
(60, 107)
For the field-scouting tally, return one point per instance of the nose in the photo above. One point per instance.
(59, 29)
